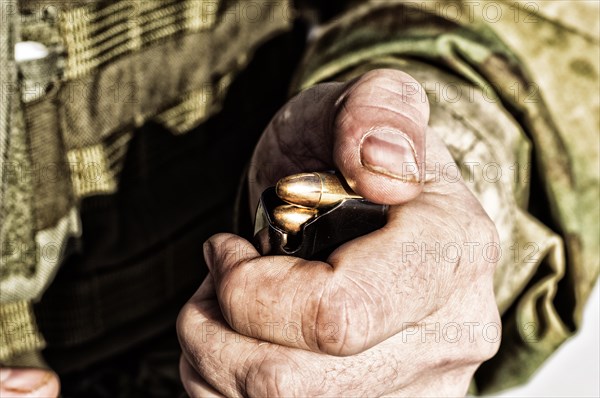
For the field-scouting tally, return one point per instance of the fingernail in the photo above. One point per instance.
(390, 152)
(24, 380)
(208, 254)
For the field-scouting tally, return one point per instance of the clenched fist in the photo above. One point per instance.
(407, 310)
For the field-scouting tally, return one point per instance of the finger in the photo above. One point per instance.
(379, 136)
(345, 307)
(372, 129)
(217, 354)
(272, 298)
(28, 382)
(239, 366)
(289, 301)
(236, 365)
(341, 310)
(194, 385)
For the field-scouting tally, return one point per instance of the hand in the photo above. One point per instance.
(28, 383)
(406, 310)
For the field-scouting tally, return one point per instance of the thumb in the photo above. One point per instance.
(379, 136)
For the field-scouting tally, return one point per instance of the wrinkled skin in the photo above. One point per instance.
(395, 312)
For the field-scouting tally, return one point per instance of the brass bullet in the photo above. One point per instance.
(291, 218)
(313, 190)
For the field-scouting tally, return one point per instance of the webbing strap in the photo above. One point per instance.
(18, 330)
(126, 63)
(95, 35)
(195, 107)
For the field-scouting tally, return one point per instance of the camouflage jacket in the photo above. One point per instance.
(94, 193)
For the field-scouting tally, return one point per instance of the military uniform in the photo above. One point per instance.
(125, 147)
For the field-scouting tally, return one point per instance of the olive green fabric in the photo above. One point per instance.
(70, 116)
(116, 68)
(549, 235)
(18, 252)
(18, 334)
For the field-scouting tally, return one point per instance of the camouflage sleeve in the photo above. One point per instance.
(510, 129)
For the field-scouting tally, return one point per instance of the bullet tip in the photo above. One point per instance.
(291, 218)
(313, 190)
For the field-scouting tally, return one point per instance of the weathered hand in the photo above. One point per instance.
(406, 310)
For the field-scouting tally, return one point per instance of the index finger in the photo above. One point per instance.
(341, 308)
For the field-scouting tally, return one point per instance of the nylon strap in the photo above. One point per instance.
(18, 330)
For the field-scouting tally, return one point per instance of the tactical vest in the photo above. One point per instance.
(118, 177)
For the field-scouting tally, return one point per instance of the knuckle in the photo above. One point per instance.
(488, 338)
(230, 283)
(229, 250)
(477, 230)
(484, 231)
(387, 77)
(471, 339)
(341, 326)
(182, 322)
(232, 294)
(270, 376)
(484, 350)
(490, 349)
(395, 82)
(490, 342)
(396, 95)
(187, 333)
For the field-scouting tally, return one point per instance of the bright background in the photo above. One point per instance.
(573, 371)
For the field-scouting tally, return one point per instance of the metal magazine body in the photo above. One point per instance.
(320, 235)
